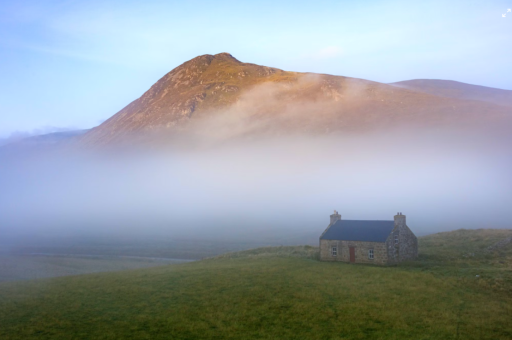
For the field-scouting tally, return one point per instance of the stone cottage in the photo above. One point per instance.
(358, 241)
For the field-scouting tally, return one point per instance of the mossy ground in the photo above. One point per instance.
(270, 293)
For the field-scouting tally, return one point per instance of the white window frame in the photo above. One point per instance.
(334, 251)
(396, 239)
(370, 254)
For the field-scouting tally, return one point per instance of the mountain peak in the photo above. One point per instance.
(226, 56)
(208, 58)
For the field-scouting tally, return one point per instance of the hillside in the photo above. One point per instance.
(220, 96)
(465, 245)
(458, 90)
(269, 293)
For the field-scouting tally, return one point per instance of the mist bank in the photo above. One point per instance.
(270, 191)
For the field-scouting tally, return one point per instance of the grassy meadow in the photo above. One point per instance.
(27, 267)
(278, 293)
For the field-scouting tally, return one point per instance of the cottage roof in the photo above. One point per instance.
(358, 230)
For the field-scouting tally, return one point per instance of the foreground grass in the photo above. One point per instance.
(276, 293)
(255, 297)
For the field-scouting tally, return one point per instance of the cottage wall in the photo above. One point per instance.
(407, 247)
(361, 248)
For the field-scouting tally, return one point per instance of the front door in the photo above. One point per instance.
(352, 254)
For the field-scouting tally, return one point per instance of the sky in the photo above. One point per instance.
(73, 64)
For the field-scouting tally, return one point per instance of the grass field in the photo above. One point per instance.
(24, 267)
(278, 293)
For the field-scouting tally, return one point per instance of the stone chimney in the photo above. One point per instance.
(335, 217)
(399, 220)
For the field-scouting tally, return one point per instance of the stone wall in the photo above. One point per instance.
(361, 251)
(407, 247)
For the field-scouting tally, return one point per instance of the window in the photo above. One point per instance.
(334, 251)
(396, 239)
(370, 254)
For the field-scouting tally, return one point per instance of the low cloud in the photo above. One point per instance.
(20, 135)
(263, 188)
(269, 167)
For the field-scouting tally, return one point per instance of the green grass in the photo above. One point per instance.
(25, 267)
(465, 246)
(463, 254)
(267, 293)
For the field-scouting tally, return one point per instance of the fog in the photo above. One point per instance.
(271, 191)
(268, 170)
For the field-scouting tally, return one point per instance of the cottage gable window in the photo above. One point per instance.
(370, 254)
(396, 239)
(334, 250)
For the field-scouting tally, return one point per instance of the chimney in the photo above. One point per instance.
(399, 220)
(335, 217)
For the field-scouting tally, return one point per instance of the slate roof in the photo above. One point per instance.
(357, 230)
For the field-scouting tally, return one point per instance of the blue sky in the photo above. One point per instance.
(72, 64)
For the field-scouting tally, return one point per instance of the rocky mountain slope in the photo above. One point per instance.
(217, 95)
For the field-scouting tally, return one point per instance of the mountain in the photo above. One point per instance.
(455, 89)
(222, 97)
